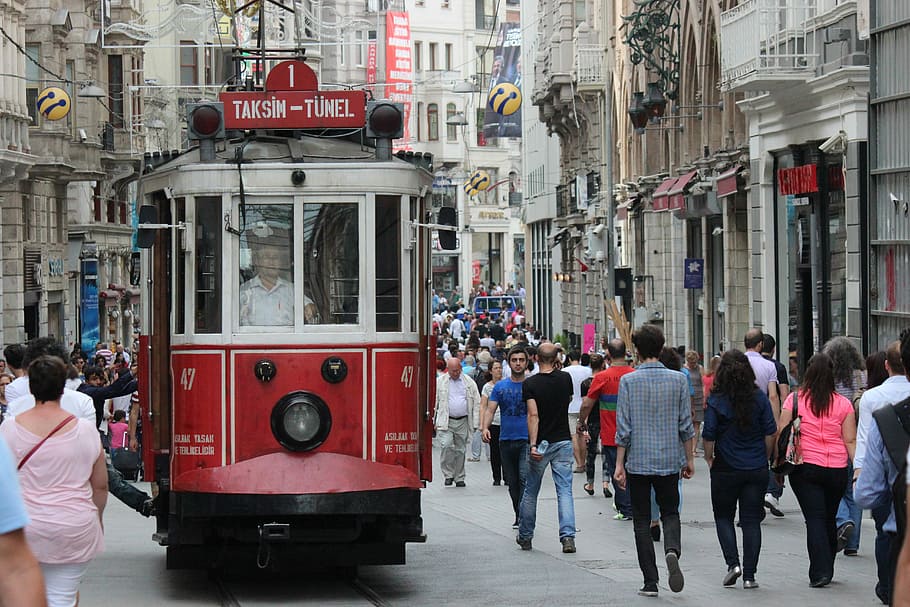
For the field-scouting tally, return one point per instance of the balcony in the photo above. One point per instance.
(767, 46)
(590, 68)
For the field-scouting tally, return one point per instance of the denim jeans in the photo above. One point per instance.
(774, 488)
(620, 496)
(477, 445)
(655, 509)
(729, 486)
(495, 455)
(515, 468)
(124, 491)
(848, 511)
(560, 457)
(666, 490)
(819, 491)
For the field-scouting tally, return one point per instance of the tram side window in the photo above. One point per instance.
(331, 253)
(266, 266)
(208, 264)
(388, 264)
(180, 273)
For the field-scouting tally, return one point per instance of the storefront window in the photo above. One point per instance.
(810, 191)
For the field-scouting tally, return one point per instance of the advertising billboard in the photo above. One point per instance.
(506, 68)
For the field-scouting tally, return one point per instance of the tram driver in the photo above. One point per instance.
(267, 299)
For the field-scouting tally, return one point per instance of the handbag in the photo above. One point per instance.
(787, 454)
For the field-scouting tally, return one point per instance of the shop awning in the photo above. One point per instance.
(725, 184)
(676, 193)
(659, 197)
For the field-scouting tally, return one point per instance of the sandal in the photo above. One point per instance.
(589, 488)
(607, 493)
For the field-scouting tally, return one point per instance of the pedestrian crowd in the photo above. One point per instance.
(69, 431)
(836, 433)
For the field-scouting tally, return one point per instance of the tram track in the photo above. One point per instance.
(368, 593)
(227, 598)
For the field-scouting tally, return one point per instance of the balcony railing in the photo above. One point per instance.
(590, 71)
(765, 45)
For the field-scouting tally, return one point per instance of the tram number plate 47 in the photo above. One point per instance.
(407, 376)
(187, 377)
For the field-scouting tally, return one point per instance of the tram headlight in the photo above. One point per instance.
(301, 421)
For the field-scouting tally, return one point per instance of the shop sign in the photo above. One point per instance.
(797, 180)
(491, 215)
(55, 267)
(694, 273)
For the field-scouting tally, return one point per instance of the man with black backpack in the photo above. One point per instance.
(882, 470)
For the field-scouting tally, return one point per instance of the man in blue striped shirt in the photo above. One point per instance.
(654, 445)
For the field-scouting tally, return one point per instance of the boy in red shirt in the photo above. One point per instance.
(604, 389)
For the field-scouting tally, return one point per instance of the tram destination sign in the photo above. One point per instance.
(294, 109)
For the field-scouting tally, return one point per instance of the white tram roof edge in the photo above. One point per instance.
(328, 164)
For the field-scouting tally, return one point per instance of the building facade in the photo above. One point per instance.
(886, 244)
(804, 73)
(75, 189)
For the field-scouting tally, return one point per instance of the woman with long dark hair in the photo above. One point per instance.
(849, 379)
(738, 437)
(827, 443)
(492, 376)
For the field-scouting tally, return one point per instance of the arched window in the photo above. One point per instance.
(433, 122)
(451, 129)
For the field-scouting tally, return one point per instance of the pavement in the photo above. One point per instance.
(471, 558)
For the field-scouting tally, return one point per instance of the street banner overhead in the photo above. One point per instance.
(506, 68)
(398, 75)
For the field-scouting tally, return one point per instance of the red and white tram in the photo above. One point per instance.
(286, 358)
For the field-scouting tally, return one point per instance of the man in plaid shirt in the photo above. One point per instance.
(654, 445)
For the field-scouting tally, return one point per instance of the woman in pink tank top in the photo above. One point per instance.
(828, 439)
(64, 482)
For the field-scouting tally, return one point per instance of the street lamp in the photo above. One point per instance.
(457, 119)
(91, 90)
(465, 86)
(638, 114)
(655, 104)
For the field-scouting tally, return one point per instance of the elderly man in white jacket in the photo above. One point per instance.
(455, 416)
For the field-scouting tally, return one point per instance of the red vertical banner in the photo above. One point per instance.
(371, 62)
(398, 67)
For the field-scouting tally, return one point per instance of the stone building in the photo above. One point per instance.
(571, 97)
(74, 196)
(681, 160)
(803, 73)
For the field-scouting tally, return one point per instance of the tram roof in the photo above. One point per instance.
(270, 148)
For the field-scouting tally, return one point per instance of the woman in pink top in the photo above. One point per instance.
(828, 439)
(64, 482)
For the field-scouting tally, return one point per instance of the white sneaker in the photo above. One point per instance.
(772, 504)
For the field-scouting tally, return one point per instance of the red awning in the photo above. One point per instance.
(676, 192)
(725, 183)
(659, 197)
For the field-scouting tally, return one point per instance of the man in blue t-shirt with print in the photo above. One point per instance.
(21, 583)
(513, 433)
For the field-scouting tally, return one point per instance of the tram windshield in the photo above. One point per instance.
(330, 265)
(266, 266)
